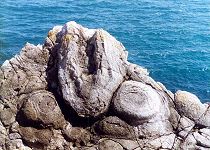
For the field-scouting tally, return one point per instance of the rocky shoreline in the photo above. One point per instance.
(78, 91)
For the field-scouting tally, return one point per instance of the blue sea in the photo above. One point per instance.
(171, 38)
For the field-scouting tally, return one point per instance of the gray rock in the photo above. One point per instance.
(79, 136)
(7, 116)
(189, 142)
(174, 117)
(137, 102)
(114, 127)
(13, 136)
(3, 136)
(127, 144)
(189, 105)
(37, 138)
(205, 117)
(205, 131)
(154, 129)
(58, 141)
(163, 142)
(202, 139)
(16, 144)
(90, 68)
(109, 144)
(185, 126)
(41, 107)
(23, 74)
(140, 74)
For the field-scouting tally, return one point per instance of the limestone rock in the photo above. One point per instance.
(109, 144)
(189, 105)
(3, 136)
(154, 129)
(16, 144)
(202, 139)
(79, 136)
(41, 107)
(174, 117)
(205, 117)
(140, 74)
(163, 142)
(205, 131)
(114, 127)
(38, 138)
(137, 102)
(127, 144)
(7, 116)
(58, 141)
(185, 126)
(189, 142)
(90, 68)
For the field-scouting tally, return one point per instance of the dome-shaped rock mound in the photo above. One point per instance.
(136, 101)
(78, 91)
(42, 107)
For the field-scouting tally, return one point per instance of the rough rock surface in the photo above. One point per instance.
(90, 68)
(133, 95)
(78, 91)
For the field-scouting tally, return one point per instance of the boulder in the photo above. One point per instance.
(114, 127)
(109, 144)
(79, 136)
(189, 105)
(202, 139)
(90, 68)
(37, 138)
(41, 107)
(137, 102)
(3, 136)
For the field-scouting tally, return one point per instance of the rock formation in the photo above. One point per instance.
(78, 91)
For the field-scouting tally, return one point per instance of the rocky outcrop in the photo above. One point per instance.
(88, 72)
(78, 91)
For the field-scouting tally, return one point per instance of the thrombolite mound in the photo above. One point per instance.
(78, 91)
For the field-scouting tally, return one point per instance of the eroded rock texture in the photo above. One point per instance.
(78, 91)
(90, 68)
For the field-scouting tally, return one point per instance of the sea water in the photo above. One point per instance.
(171, 38)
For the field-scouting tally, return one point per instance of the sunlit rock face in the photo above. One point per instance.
(137, 101)
(78, 91)
(91, 66)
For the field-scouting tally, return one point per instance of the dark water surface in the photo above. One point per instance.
(171, 38)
